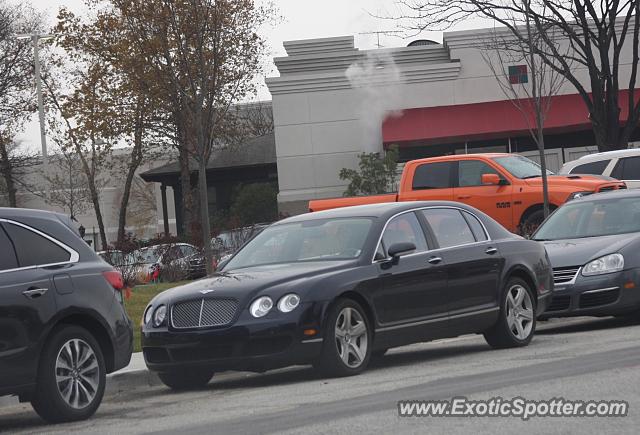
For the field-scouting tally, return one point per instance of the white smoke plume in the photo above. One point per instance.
(378, 84)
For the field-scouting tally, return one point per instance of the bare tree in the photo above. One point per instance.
(79, 125)
(532, 98)
(15, 164)
(67, 184)
(16, 96)
(603, 37)
(255, 119)
(16, 62)
(144, 205)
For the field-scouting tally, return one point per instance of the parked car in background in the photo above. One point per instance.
(334, 288)
(594, 247)
(113, 256)
(507, 187)
(622, 164)
(179, 260)
(62, 323)
(228, 242)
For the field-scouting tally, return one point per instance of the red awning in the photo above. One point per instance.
(467, 122)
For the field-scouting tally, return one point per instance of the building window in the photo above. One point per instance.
(518, 74)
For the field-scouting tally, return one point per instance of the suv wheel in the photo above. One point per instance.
(347, 345)
(186, 380)
(71, 376)
(517, 319)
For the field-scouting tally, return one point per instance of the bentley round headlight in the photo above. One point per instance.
(288, 303)
(159, 315)
(261, 306)
(607, 264)
(147, 314)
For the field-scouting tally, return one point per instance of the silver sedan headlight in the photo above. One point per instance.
(607, 264)
(288, 303)
(261, 306)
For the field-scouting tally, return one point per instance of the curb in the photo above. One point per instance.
(130, 380)
(116, 383)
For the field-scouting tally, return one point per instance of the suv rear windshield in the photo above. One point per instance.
(592, 168)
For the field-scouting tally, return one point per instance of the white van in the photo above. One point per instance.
(622, 164)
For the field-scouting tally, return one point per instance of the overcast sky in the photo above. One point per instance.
(302, 19)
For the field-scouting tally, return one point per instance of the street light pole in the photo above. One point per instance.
(35, 38)
(43, 133)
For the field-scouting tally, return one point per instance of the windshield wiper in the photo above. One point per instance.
(531, 176)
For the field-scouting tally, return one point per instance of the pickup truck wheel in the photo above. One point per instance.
(517, 319)
(531, 222)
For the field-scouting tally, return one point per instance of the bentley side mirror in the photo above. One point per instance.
(397, 249)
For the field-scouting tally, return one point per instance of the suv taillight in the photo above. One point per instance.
(114, 278)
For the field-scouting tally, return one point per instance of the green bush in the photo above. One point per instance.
(376, 174)
(255, 203)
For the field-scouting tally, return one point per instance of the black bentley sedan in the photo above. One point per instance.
(594, 246)
(335, 287)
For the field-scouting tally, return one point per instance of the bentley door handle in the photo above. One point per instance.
(491, 250)
(435, 260)
(464, 197)
(34, 293)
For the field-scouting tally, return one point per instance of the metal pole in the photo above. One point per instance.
(43, 134)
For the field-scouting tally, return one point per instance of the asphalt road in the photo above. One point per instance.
(579, 359)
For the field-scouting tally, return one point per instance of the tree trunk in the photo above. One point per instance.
(204, 212)
(537, 100)
(186, 206)
(95, 199)
(136, 160)
(203, 157)
(7, 174)
(187, 194)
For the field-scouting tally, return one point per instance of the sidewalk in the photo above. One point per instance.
(132, 376)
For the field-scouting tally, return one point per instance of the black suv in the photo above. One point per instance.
(63, 326)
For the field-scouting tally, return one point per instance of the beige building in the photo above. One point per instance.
(333, 101)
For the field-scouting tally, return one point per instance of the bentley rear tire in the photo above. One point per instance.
(517, 319)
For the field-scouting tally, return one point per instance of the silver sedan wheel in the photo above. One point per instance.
(519, 312)
(77, 373)
(351, 337)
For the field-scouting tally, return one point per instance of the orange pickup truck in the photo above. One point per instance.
(507, 187)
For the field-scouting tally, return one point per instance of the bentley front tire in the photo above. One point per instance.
(517, 319)
(187, 379)
(347, 345)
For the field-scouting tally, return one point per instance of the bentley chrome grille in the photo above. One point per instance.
(202, 313)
